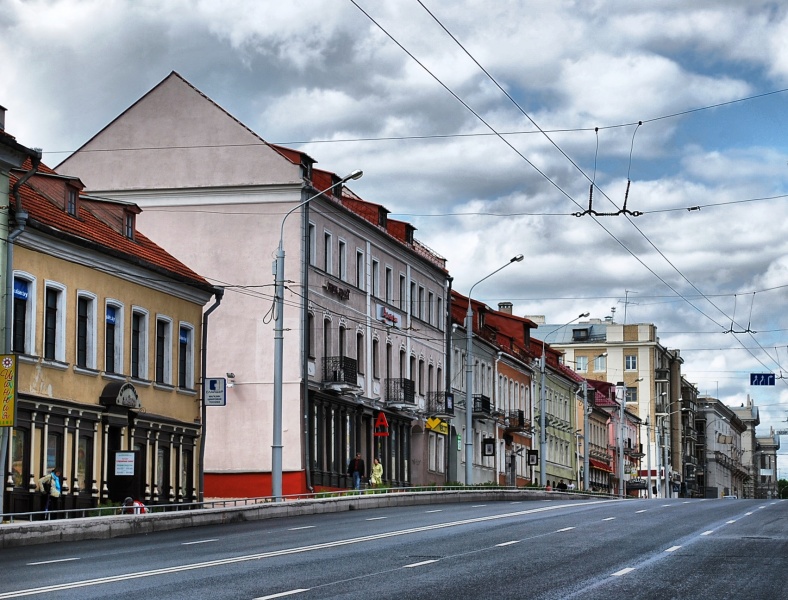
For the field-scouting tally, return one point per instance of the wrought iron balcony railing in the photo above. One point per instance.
(401, 391)
(340, 369)
(515, 421)
(482, 405)
(437, 404)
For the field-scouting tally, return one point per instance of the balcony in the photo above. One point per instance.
(437, 405)
(516, 421)
(401, 392)
(690, 433)
(482, 406)
(340, 373)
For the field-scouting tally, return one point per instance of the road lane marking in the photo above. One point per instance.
(434, 511)
(376, 518)
(609, 519)
(420, 564)
(49, 562)
(622, 572)
(708, 532)
(747, 514)
(304, 527)
(58, 587)
(672, 548)
(478, 505)
(199, 542)
(564, 529)
(282, 594)
(637, 512)
(508, 543)
(729, 522)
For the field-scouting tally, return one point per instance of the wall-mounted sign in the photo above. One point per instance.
(332, 288)
(437, 425)
(127, 396)
(381, 425)
(488, 447)
(215, 391)
(124, 463)
(389, 317)
(8, 395)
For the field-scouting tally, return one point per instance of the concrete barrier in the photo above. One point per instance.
(91, 528)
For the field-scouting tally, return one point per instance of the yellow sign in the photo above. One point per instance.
(438, 426)
(8, 395)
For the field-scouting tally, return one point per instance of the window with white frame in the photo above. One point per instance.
(430, 314)
(186, 356)
(376, 278)
(581, 364)
(328, 252)
(113, 338)
(440, 315)
(389, 285)
(54, 321)
(86, 330)
(360, 269)
(342, 260)
(403, 292)
(631, 362)
(24, 326)
(139, 343)
(163, 350)
(632, 394)
(312, 245)
(600, 363)
(421, 303)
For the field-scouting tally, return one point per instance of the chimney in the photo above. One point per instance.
(505, 307)
(2, 118)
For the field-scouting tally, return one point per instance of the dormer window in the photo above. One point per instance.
(71, 201)
(129, 226)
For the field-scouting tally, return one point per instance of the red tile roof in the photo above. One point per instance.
(48, 215)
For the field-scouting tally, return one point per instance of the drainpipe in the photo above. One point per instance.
(304, 356)
(219, 293)
(20, 217)
(499, 460)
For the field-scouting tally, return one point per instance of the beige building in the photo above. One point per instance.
(106, 334)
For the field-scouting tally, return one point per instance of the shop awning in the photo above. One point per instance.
(598, 464)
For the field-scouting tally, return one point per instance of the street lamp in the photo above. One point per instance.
(543, 404)
(279, 297)
(469, 375)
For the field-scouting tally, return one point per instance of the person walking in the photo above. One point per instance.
(50, 486)
(356, 469)
(376, 476)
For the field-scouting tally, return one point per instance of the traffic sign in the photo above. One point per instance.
(761, 378)
(215, 391)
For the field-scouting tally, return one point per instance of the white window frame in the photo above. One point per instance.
(189, 353)
(342, 259)
(144, 344)
(119, 328)
(600, 364)
(328, 250)
(30, 311)
(312, 244)
(167, 366)
(360, 284)
(90, 350)
(630, 362)
(60, 327)
(376, 278)
(581, 364)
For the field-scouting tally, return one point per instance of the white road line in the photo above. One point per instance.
(419, 564)
(637, 512)
(199, 542)
(729, 522)
(760, 507)
(609, 519)
(478, 505)
(434, 511)
(516, 502)
(304, 527)
(282, 594)
(508, 543)
(747, 514)
(668, 505)
(708, 532)
(564, 529)
(622, 572)
(672, 548)
(376, 518)
(49, 562)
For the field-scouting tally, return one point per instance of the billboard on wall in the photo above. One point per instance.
(8, 397)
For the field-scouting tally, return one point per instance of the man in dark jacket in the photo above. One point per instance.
(356, 469)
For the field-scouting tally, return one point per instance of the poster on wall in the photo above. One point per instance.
(124, 464)
(8, 395)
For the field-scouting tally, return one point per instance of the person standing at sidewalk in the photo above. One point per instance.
(50, 486)
(376, 475)
(356, 469)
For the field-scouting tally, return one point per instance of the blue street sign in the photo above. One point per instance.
(761, 378)
(215, 391)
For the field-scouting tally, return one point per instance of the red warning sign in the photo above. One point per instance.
(381, 426)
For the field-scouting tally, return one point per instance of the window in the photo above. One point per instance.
(326, 338)
(24, 319)
(413, 299)
(86, 330)
(360, 269)
(328, 255)
(54, 322)
(130, 226)
(600, 363)
(403, 293)
(421, 303)
(441, 316)
(310, 336)
(85, 463)
(376, 278)
(430, 314)
(389, 284)
(20, 459)
(421, 377)
(631, 362)
(581, 364)
(54, 454)
(389, 361)
(139, 343)
(163, 350)
(113, 339)
(632, 394)
(360, 353)
(312, 245)
(341, 341)
(71, 201)
(375, 359)
(186, 357)
(342, 260)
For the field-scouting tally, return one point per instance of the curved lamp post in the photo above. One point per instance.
(469, 375)
(543, 403)
(279, 296)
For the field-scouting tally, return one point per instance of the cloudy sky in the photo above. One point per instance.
(485, 123)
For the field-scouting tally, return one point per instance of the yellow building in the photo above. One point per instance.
(107, 331)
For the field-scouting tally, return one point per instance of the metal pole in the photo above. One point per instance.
(586, 447)
(620, 391)
(648, 458)
(665, 451)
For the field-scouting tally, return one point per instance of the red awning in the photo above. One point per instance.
(598, 464)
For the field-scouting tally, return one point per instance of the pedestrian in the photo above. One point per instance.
(133, 507)
(376, 477)
(356, 469)
(50, 486)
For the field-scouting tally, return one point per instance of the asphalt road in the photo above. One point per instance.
(588, 549)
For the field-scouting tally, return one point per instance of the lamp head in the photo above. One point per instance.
(354, 175)
(583, 315)
(517, 258)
